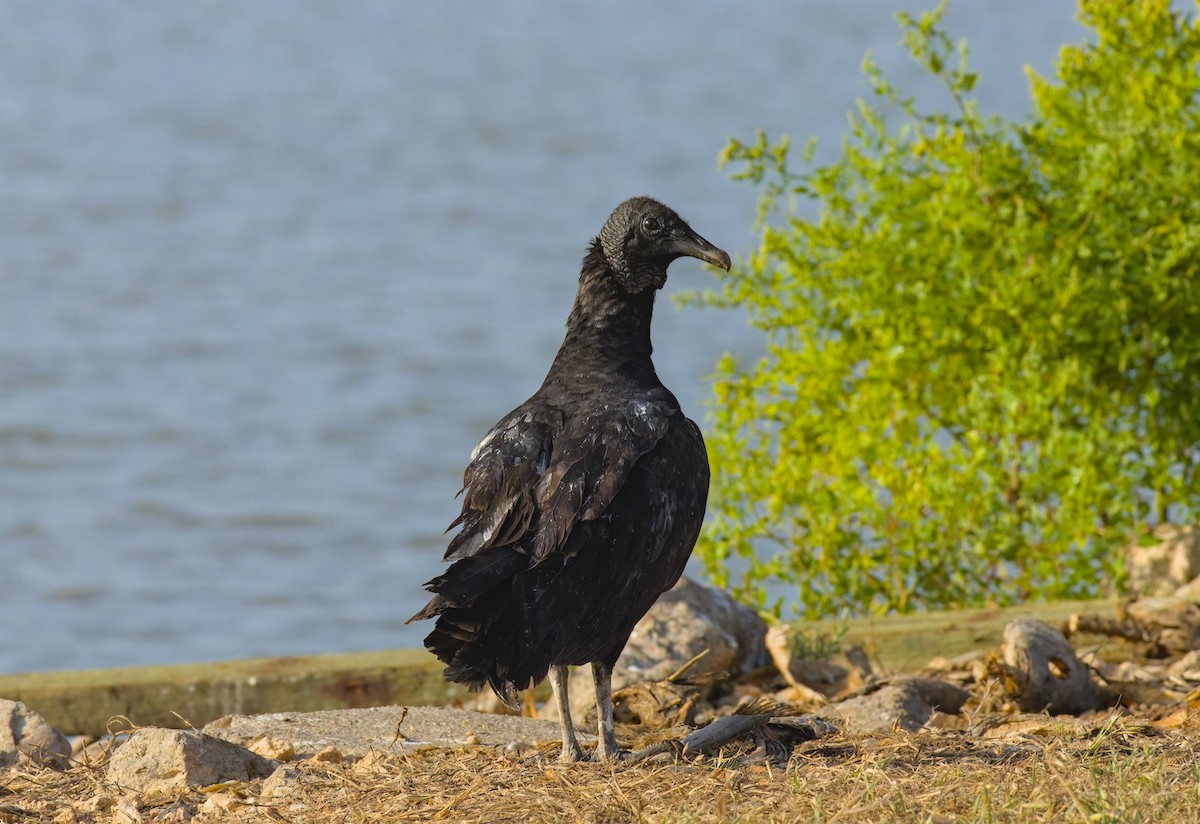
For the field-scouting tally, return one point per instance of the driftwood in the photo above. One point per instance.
(1176, 619)
(1128, 629)
(771, 726)
(1041, 671)
(816, 681)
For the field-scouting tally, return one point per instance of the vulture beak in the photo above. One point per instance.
(686, 243)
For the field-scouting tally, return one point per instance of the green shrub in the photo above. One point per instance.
(982, 369)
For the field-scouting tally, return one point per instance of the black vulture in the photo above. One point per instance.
(581, 506)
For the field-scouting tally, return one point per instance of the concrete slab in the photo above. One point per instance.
(358, 731)
(84, 701)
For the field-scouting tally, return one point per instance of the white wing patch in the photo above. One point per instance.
(487, 439)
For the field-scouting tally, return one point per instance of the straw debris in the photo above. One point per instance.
(1113, 769)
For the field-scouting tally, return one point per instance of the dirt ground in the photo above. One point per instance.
(1116, 768)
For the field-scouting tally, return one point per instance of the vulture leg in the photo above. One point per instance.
(606, 748)
(571, 751)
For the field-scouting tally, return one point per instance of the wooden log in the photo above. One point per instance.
(1044, 673)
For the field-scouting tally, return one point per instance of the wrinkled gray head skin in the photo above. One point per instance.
(642, 237)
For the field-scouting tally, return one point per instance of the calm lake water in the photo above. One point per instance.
(270, 269)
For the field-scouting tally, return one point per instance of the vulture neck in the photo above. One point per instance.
(607, 326)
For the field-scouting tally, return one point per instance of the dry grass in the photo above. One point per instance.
(1120, 772)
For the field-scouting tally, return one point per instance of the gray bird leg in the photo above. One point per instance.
(571, 751)
(606, 748)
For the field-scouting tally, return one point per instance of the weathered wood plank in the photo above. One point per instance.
(905, 643)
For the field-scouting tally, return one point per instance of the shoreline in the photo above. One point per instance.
(83, 702)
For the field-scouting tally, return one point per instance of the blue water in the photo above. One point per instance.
(270, 269)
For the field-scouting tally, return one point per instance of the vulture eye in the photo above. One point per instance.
(651, 224)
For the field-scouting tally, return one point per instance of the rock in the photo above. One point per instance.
(281, 783)
(947, 721)
(356, 732)
(1190, 591)
(166, 761)
(1177, 621)
(943, 696)
(687, 620)
(219, 806)
(276, 749)
(372, 762)
(329, 755)
(1042, 671)
(895, 706)
(97, 803)
(127, 811)
(1187, 667)
(1166, 565)
(179, 812)
(25, 738)
(906, 704)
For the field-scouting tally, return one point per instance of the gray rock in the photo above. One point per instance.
(156, 760)
(687, 620)
(1164, 566)
(281, 783)
(896, 706)
(907, 704)
(25, 737)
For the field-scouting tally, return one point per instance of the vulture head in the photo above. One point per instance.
(642, 237)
